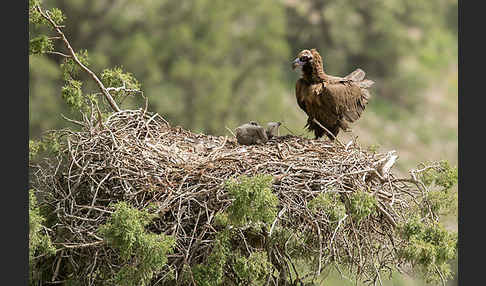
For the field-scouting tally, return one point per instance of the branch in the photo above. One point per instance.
(125, 89)
(329, 132)
(105, 92)
(59, 54)
(280, 213)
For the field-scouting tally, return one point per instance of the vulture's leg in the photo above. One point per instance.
(318, 132)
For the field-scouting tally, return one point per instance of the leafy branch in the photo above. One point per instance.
(43, 44)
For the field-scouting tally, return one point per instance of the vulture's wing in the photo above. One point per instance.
(357, 75)
(300, 94)
(334, 79)
(349, 97)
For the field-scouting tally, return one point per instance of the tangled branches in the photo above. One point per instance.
(337, 204)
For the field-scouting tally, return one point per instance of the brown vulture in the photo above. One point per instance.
(332, 101)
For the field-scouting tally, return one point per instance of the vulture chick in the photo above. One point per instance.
(332, 101)
(272, 129)
(251, 133)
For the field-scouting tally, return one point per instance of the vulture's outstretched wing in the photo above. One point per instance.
(349, 97)
(357, 75)
(350, 94)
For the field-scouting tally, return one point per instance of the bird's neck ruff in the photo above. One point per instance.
(313, 72)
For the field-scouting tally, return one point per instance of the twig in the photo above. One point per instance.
(329, 132)
(230, 131)
(280, 213)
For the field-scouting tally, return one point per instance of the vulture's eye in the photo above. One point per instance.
(305, 58)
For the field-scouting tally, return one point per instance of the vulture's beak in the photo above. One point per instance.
(297, 63)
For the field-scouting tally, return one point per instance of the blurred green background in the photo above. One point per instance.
(209, 65)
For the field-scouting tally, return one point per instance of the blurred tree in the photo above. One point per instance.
(210, 64)
(203, 64)
(399, 43)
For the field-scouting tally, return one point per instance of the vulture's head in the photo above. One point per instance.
(303, 58)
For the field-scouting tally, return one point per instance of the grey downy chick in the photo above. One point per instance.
(272, 129)
(251, 133)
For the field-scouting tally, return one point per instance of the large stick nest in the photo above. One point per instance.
(139, 158)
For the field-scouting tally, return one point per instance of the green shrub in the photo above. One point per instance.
(144, 253)
(330, 204)
(253, 270)
(212, 272)
(362, 204)
(39, 242)
(253, 200)
(444, 176)
(430, 248)
(441, 197)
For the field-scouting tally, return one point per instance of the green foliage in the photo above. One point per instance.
(71, 91)
(302, 245)
(34, 15)
(48, 145)
(39, 242)
(70, 68)
(73, 95)
(330, 204)
(36, 18)
(443, 198)
(144, 254)
(444, 176)
(253, 200)
(362, 204)
(442, 202)
(34, 147)
(212, 272)
(250, 269)
(33, 3)
(253, 270)
(430, 248)
(117, 78)
(56, 15)
(51, 143)
(39, 45)
(221, 219)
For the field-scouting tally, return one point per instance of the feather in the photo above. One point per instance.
(357, 75)
(365, 83)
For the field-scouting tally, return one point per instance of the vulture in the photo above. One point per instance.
(330, 100)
